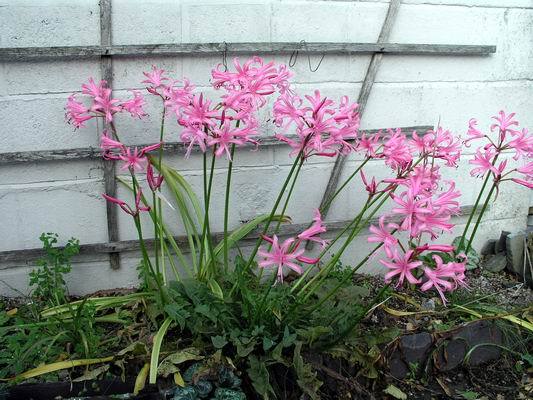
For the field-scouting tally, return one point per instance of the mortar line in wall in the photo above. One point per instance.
(49, 184)
(133, 245)
(428, 3)
(59, 95)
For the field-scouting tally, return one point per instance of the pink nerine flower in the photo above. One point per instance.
(76, 113)
(283, 256)
(322, 128)
(155, 77)
(411, 208)
(135, 106)
(92, 89)
(154, 182)
(483, 162)
(226, 135)
(369, 144)
(107, 145)
(135, 159)
(402, 266)
(439, 143)
(435, 279)
(503, 121)
(522, 144)
(382, 235)
(125, 207)
(445, 277)
(105, 105)
(473, 133)
(198, 113)
(396, 151)
(314, 230)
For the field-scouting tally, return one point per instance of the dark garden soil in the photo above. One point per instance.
(491, 373)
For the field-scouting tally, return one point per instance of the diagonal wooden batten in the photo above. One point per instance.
(191, 49)
(106, 70)
(95, 153)
(362, 100)
(92, 249)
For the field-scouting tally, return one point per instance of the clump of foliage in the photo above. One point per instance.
(48, 278)
(30, 339)
(266, 311)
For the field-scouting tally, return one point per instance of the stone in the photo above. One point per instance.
(478, 333)
(415, 347)
(496, 263)
(428, 304)
(515, 255)
(501, 244)
(489, 247)
(477, 337)
(450, 355)
(397, 367)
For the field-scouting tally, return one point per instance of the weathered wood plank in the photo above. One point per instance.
(28, 255)
(110, 185)
(362, 100)
(94, 153)
(183, 49)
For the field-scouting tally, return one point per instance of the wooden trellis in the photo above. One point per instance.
(106, 51)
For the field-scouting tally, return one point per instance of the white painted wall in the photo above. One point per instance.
(64, 197)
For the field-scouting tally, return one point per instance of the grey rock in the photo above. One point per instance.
(489, 247)
(415, 347)
(515, 255)
(501, 244)
(450, 355)
(496, 263)
(397, 367)
(428, 304)
(477, 335)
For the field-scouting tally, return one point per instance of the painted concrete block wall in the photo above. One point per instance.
(64, 197)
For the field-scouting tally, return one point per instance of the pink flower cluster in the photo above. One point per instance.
(505, 136)
(422, 209)
(288, 253)
(322, 127)
(102, 105)
(232, 121)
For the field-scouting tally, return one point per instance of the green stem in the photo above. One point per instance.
(471, 216)
(146, 259)
(226, 208)
(206, 231)
(483, 209)
(330, 244)
(355, 231)
(289, 194)
(204, 225)
(269, 221)
(285, 205)
(209, 242)
(259, 310)
(327, 204)
(156, 232)
(344, 281)
(476, 204)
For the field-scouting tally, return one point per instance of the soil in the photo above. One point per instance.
(508, 377)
